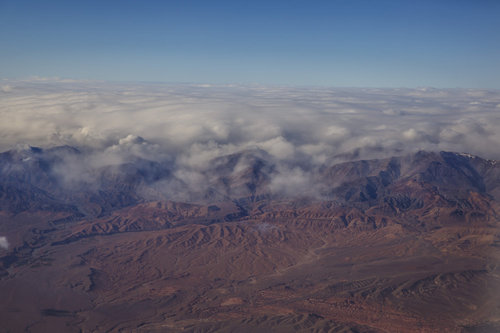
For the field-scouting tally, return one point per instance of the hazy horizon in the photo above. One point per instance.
(443, 44)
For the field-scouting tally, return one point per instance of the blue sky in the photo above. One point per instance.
(328, 43)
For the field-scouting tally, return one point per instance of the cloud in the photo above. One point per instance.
(6, 88)
(292, 182)
(278, 147)
(191, 125)
(4, 243)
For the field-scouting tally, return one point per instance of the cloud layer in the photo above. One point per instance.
(192, 124)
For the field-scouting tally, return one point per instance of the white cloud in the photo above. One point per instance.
(194, 123)
(278, 147)
(188, 126)
(292, 182)
(4, 243)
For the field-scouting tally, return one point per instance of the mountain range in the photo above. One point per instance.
(249, 244)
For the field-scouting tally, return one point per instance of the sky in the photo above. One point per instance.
(348, 43)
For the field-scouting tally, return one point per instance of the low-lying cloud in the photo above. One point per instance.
(188, 126)
(181, 120)
(4, 244)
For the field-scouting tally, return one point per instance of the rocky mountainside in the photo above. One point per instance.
(36, 179)
(403, 244)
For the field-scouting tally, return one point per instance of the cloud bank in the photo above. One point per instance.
(195, 123)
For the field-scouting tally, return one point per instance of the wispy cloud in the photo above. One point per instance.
(4, 243)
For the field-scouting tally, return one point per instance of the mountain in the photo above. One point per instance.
(403, 244)
(60, 179)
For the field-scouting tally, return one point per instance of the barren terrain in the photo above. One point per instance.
(407, 244)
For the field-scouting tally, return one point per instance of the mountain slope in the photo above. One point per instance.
(403, 244)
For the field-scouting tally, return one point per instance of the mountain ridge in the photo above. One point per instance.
(407, 244)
